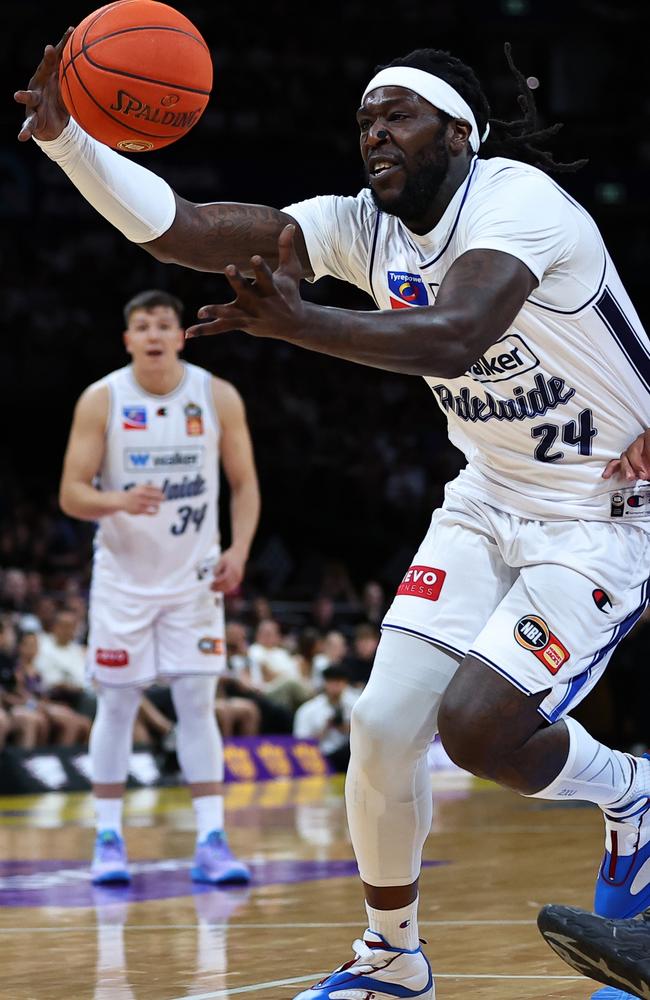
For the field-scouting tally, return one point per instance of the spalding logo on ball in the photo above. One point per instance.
(136, 75)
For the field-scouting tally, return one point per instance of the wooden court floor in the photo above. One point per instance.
(493, 859)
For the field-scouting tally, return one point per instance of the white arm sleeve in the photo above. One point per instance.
(137, 202)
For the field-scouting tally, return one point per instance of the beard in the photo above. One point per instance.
(423, 182)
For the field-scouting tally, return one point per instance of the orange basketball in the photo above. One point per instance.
(136, 75)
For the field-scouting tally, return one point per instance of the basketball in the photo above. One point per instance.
(136, 75)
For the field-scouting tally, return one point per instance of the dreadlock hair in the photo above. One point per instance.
(520, 139)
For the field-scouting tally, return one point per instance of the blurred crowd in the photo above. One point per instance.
(292, 667)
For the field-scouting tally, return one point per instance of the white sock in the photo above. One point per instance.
(208, 810)
(108, 814)
(398, 927)
(593, 772)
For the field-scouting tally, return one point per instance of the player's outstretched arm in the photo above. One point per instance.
(477, 302)
(138, 202)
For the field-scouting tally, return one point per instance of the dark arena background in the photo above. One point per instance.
(351, 462)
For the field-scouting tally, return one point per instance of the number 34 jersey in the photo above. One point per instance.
(171, 442)
(565, 389)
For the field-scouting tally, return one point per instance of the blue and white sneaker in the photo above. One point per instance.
(109, 859)
(377, 971)
(215, 863)
(609, 993)
(623, 884)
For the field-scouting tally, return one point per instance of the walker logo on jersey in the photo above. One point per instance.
(211, 647)
(134, 418)
(533, 634)
(163, 459)
(508, 358)
(193, 420)
(406, 290)
(422, 581)
(601, 600)
(112, 658)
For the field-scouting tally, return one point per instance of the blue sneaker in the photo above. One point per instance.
(623, 884)
(215, 863)
(377, 971)
(614, 952)
(109, 859)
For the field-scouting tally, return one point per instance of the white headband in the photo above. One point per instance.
(434, 90)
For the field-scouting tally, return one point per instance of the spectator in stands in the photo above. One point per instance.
(373, 603)
(46, 610)
(58, 721)
(26, 726)
(62, 665)
(326, 717)
(239, 683)
(359, 663)
(273, 670)
(333, 652)
(308, 646)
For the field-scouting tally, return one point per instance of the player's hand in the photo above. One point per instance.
(145, 499)
(634, 463)
(46, 114)
(268, 306)
(229, 572)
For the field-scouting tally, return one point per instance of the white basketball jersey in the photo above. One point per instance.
(172, 442)
(565, 389)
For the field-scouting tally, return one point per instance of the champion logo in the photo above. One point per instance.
(601, 600)
(404, 925)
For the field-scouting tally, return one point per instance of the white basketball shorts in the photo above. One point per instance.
(544, 603)
(133, 641)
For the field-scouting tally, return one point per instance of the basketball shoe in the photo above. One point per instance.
(614, 952)
(377, 971)
(623, 883)
(109, 859)
(215, 863)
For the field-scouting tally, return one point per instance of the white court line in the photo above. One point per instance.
(259, 927)
(315, 977)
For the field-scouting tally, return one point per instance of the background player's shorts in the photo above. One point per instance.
(544, 603)
(133, 641)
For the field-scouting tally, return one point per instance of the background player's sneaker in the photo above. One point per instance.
(109, 859)
(614, 952)
(623, 883)
(215, 863)
(609, 993)
(377, 971)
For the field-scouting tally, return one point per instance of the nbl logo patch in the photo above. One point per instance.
(533, 634)
(406, 290)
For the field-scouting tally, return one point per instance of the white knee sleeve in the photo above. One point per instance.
(111, 737)
(199, 745)
(388, 786)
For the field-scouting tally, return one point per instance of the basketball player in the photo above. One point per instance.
(493, 284)
(152, 433)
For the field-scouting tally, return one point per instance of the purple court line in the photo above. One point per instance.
(67, 883)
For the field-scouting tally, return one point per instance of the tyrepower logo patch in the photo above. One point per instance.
(422, 581)
(406, 290)
(533, 634)
(112, 657)
(210, 646)
(508, 358)
(134, 418)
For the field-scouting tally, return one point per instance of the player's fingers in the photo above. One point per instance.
(263, 276)
(240, 285)
(626, 469)
(225, 319)
(288, 261)
(636, 458)
(58, 49)
(27, 128)
(30, 98)
(612, 468)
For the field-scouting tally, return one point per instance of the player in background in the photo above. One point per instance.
(496, 286)
(143, 460)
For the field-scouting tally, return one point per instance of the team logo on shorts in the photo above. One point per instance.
(601, 600)
(533, 634)
(211, 647)
(112, 657)
(422, 581)
(616, 509)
